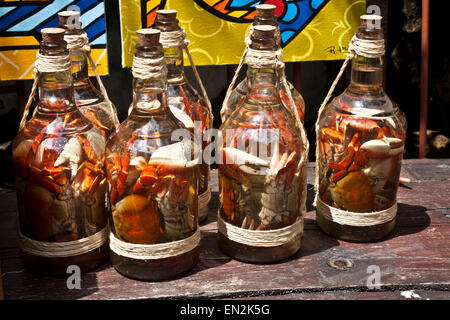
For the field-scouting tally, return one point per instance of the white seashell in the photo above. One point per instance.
(391, 122)
(96, 140)
(376, 145)
(240, 157)
(152, 105)
(176, 154)
(182, 116)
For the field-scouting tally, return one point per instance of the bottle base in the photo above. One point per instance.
(353, 233)
(58, 266)
(263, 255)
(155, 270)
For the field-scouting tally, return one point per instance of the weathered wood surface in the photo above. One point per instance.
(416, 256)
(1, 284)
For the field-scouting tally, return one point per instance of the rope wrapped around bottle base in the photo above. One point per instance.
(368, 49)
(63, 249)
(359, 219)
(275, 237)
(153, 251)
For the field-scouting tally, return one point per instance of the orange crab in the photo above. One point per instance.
(369, 153)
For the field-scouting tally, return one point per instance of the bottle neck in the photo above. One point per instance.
(150, 96)
(56, 92)
(80, 71)
(263, 83)
(175, 62)
(366, 74)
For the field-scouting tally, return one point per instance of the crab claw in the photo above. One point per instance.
(71, 155)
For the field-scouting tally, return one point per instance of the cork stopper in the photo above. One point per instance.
(370, 21)
(166, 20)
(265, 11)
(53, 36)
(264, 35)
(69, 20)
(148, 37)
(370, 28)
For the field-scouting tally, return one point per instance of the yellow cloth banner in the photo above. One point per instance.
(310, 29)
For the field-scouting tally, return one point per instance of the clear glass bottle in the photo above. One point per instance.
(265, 15)
(153, 181)
(182, 96)
(89, 100)
(361, 140)
(58, 169)
(259, 184)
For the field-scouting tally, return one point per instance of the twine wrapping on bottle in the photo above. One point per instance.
(81, 42)
(43, 64)
(360, 219)
(260, 238)
(146, 68)
(63, 249)
(153, 251)
(357, 46)
(178, 39)
(263, 238)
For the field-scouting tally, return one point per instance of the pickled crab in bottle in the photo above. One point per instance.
(90, 101)
(153, 179)
(265, 15)
(184, 101)
(58, 169)
(261, 180)
(361, 141)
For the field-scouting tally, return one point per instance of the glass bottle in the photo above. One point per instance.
(265, 15)
(361, 138)
(59, 177)
(153, 180)
(89, 100)
(184, 100)
(261, 176)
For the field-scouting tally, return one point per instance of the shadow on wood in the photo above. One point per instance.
(410, 219)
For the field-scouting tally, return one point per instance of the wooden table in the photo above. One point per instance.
(414, 260)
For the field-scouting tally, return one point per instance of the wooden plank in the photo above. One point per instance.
(407, 294)
(1, 283)
(416, 255)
